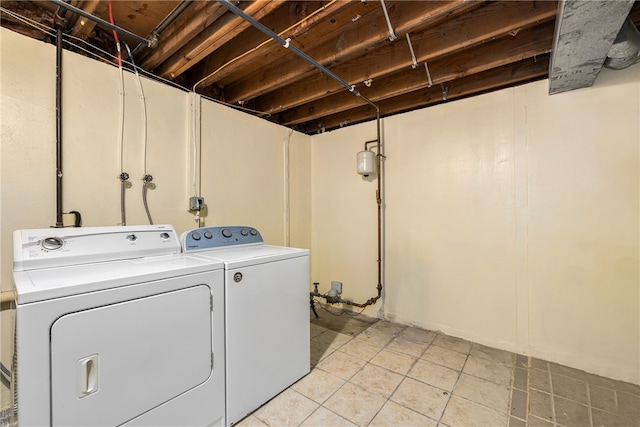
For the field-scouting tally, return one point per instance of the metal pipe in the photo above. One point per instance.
(59, 210)
(414, 63)
(103, 23)
(426, 67)
(392, 34)
(153, 35)
(285, 43)
(379, 201)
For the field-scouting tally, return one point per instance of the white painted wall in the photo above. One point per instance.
(244, 176)
(512, 219)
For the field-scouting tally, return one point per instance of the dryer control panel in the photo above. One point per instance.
(58, 247)
(218, 237)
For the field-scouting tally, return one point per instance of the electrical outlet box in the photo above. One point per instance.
(196, 203)
(337, 286)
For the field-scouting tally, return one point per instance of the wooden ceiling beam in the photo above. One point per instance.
(83, 26)
(347, 42)
(509, 75)
(196, 18)
(220, 32)
(29, 10)
(470, 31)
(235, 60)
(528, 44)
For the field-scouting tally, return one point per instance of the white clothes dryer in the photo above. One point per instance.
(115, 326)
(266, 313)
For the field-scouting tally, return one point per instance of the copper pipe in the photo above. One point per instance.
(380, 155)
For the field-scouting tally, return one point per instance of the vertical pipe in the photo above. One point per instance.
(379, 201)
(287, 191)
(59, 210)
(285, 43)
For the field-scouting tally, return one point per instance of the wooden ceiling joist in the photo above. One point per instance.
(198, 16)
(529, 44)
(429, 44)
(83, 27)
(345, 44)
(470, 47)
(509, 75)
(234, 59)
(214, 36)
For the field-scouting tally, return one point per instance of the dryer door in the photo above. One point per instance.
(110, 364)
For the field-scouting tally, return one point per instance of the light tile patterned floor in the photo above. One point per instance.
(376, 373)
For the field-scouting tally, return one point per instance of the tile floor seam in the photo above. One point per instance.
(527, 400)
(510, 406)
(378, 411)
(450, 349)
(334, 412)
(553, 403)
(532, 381)
(526, 409)
(482, 404)
(335, 391)
(589, 405)
(452, 389)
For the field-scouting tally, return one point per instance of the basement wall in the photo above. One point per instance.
(243, 158)
(512, 219)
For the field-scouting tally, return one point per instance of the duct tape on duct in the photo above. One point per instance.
(625, 49)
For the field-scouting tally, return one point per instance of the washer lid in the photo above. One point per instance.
(44, 284)
(242, 256)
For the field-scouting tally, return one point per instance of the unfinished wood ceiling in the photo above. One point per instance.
(469, 47)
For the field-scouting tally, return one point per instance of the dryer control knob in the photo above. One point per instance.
(244, 232)
(52, 243)
(208, 235)
(254, 232)
(227, 233)
(195, 235)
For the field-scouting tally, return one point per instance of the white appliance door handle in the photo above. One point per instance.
(87, 375)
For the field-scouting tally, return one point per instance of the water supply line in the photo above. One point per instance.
(379, 200)
(123, 177)
(196, 203)
(146, 177)
(337, 299)
(380, 152)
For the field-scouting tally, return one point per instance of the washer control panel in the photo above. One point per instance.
(217, 237)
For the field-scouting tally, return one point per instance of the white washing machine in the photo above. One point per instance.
(266, 313)
(115, 326)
